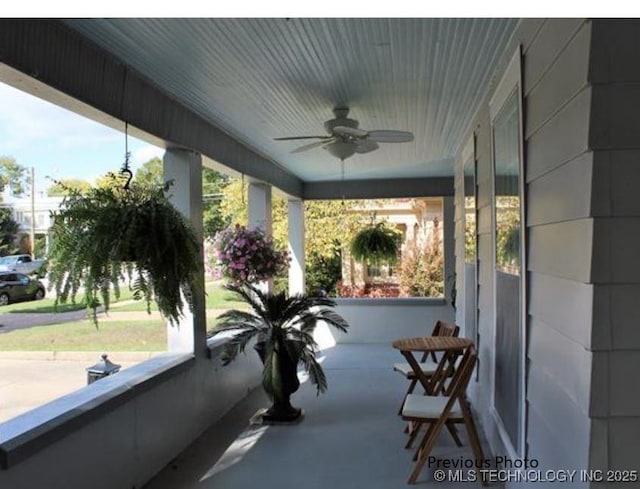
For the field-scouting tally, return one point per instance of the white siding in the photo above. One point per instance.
(559, 170)
(563, 80)
(560, 194)
(615, 123)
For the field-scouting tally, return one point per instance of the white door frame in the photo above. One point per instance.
(511, 80)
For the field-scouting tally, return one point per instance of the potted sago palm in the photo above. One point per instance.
(284, 325)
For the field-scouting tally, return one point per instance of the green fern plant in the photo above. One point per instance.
(111, 235)
(376, 244)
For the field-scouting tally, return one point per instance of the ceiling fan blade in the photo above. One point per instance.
(292, 138)
(309, 146)
(366, 146)
(386, 136)
(349, 131)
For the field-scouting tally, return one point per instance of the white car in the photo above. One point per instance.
(22, 264)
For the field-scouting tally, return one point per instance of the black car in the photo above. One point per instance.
(16, 287)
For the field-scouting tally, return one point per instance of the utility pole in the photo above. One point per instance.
(32, 233)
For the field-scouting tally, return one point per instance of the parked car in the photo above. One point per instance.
(16, 287)
(22, 264)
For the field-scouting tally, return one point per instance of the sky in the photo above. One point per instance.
(61, 144)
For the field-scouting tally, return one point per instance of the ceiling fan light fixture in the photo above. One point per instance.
(341, 149)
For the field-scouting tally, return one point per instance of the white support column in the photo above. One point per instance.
(260, 207)
(260, 216)
(185, 169)
(296, 247)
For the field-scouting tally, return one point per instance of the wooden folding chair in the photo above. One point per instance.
(441, 411)
(428, 365)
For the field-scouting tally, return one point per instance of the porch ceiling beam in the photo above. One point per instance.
(379, 188)
(60, 58)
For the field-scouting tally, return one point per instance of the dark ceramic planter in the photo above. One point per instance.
(281, 411)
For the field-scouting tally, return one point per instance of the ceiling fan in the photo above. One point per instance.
(345, 139)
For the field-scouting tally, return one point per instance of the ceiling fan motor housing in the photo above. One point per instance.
(341, 119)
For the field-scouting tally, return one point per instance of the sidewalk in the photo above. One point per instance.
(30, 379)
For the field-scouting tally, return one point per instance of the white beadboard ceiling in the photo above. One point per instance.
(258, 79)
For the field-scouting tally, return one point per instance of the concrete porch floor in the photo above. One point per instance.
(351, 436)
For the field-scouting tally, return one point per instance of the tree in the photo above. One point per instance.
(111, 180)
(8, 232)
(213, 183)
(151, 172)
(64, 186)
(235, 203)
(40, 248)
(24, 244)
(329, 227)
(12, 174)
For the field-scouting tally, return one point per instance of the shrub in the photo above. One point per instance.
(422, 267)
(323, 273)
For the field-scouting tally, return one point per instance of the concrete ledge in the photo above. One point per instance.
(218, 341)
(28, 433)
(391, 301)
(386, 320)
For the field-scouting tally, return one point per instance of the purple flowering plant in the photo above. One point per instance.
(249, 256)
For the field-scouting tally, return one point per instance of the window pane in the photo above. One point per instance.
(509, 338)
(507, 175)
(470, 212)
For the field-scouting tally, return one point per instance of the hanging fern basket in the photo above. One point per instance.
(135, 235)
(376, 244)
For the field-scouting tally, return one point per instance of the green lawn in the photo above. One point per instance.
(131, 335)
(217, 298)
(121, 335)
(46, 305)
(150, 335)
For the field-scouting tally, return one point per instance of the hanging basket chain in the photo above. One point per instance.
(127, 156)
(342, 182)
(242, 189)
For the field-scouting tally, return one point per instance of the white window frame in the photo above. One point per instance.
(511, 80)
(469, 154)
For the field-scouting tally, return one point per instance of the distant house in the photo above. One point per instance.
(413, 217)
(23, 213)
